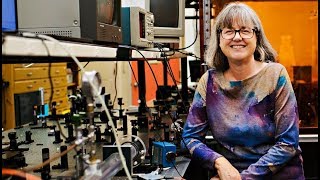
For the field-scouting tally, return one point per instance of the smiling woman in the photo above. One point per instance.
(254, 121)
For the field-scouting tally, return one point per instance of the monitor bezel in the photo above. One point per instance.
(170, 31)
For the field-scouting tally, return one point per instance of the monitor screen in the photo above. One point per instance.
(9, 20)
(166, 12)
(105, 11)
(169, 17)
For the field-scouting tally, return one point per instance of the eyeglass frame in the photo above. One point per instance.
(254, 31)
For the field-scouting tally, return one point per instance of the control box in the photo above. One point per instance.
(58, 17)
(137, 27)
(162, 154)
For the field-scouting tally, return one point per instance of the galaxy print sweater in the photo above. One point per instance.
(254, 121)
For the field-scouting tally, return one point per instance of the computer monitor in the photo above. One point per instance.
(101, 20)
(9, 16)
(169, 18)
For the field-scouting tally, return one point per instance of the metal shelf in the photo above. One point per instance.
(31, 49)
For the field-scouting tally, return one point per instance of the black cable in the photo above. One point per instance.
(51, 84)
(195, 39)
(162, 96)
(134, 76)
(175, 79)
(115, 82)
(165, 105)
(3, 38)
(190, 54)
(164, 54)
(139, 86)
(147, 108)
(157, 133)
(173, 51)
(172, 76)
(49, 73)
(160, 48)
(176, 85)
(157, 83)
(175, 167)
(152, 74)
(84, 66)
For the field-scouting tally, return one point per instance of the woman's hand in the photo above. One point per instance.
(225, 170)
(215, 178)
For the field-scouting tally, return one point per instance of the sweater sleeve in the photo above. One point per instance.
(196, 127)
(286, 135)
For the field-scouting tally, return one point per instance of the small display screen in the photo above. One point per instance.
(166, 13)
(105, 11)
(9, 18)
(141, 25)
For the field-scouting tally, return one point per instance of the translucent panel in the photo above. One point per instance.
(292, 29)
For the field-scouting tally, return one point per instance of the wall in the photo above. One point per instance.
(107, 71)
(125, 80)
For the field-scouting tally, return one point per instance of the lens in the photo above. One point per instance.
(231, 33)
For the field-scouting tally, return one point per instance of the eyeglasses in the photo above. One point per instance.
(231, 33)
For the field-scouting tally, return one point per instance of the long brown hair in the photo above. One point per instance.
(243, 15)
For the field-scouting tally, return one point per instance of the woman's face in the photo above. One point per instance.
(238, 48)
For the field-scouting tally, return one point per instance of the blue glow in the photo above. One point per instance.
(8, 16)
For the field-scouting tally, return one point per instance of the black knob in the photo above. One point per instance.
(85, 132)
(64, 158)
(103, 116)
(120, 101)
(20, 160)
(98, 134)
(45, 156)
(57, 137)
(12, 135)
(28, 137)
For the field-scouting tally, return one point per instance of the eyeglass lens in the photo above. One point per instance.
(231, 33)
